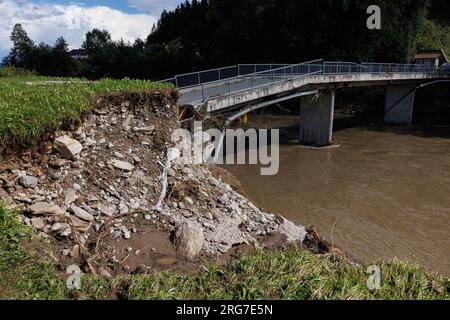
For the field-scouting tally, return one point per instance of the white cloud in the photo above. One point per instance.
(154, 7)
(46, 22)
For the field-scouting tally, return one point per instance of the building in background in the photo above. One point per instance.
(430, 57)
(78, 54)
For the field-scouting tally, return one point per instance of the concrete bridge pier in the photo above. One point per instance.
(316, 118)
(402, 113)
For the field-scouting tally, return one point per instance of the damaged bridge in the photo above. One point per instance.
(244, 88)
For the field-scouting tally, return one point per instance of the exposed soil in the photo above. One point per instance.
(98, 206)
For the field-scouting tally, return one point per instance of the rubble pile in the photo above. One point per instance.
(104, 178)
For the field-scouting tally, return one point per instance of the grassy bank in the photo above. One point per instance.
(32, 105)
(290, 274)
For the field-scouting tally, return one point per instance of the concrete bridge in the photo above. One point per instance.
(244, 88)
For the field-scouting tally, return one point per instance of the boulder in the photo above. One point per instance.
(68, 147)
(81, 213)
(28, 181)
(38, 223)
(122, 165)
(45, 208)
(4, 195)
(80, 225)
(290, 230)
(62, 229)
(189, 239)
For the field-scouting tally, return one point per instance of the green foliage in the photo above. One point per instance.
(434, 36)
(22, 274)
(42, 58)
(31, 106)
(15, 72)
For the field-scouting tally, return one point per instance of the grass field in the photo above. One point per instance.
(290, 274)
(32, 105)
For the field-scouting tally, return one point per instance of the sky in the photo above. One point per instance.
(46, 20)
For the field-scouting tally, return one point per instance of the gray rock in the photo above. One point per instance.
(119, 155)
(107, 210)
(28, 181)
(290, 230)
(122, 165)
(63, 229)
(136, 159)
(75, 252)
(81, 213)
(123, 209)
(189, 200)
(76, 164)
(223, 199)
(144, 129)
(5, 195)
(116, 234)
(126, 235)
(68, 147)
(44, 208)
(57, 163)
(38, 223)
(70, 196)
(126, 123)
(90, 142)
(189, 239)
(55, 175)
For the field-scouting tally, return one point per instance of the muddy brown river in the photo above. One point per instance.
(386, 190)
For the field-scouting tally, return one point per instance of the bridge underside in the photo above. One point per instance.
(316, 118)
(399, 103)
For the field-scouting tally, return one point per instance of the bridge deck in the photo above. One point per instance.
(239, 89)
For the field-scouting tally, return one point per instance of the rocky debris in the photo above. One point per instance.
(106, 180)
(61, 229)
(38, 223)
(45, 208)
(68, 147)
(5, 195)
(81, 213)
(122, 165)
(75, 252)
(28, 181)
(189, 239)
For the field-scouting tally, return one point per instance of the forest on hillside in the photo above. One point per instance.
(202, 34)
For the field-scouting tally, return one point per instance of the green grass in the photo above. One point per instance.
(290, 274)
(29, 107)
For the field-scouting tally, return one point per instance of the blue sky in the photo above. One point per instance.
(46, 20)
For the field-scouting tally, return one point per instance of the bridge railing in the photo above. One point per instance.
(242, 77)
(192, 79)
(399, 68)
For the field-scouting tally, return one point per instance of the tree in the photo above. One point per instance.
(101, 51)
(62, 63)
(20, 55)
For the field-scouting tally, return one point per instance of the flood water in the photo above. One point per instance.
(386, 190)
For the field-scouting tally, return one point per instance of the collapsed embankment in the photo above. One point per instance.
(93, 188)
